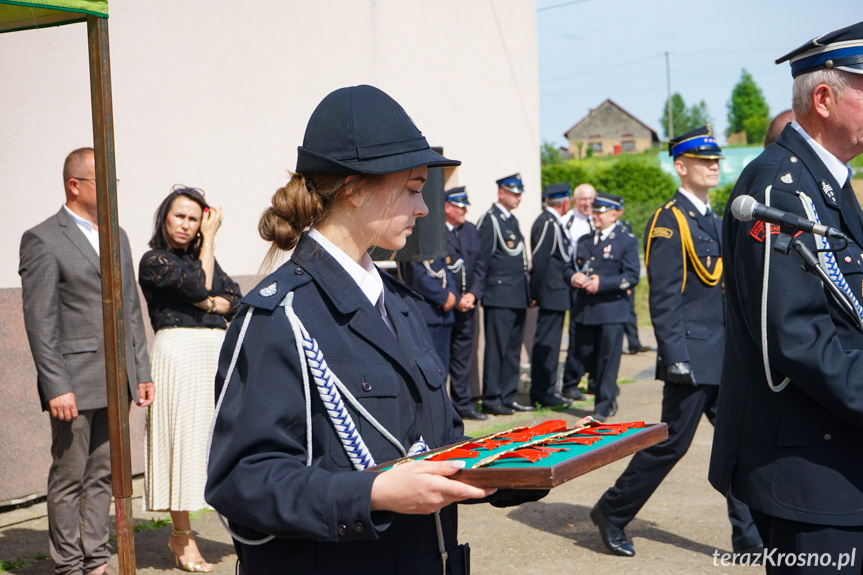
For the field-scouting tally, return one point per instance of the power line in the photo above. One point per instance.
(561, 5)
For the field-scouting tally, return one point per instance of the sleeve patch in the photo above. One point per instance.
(759, 231)
(661, 233)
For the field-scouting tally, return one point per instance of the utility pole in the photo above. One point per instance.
(668, 84)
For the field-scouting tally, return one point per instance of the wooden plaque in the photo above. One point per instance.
(543, 456)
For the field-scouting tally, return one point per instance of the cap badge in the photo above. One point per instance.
(847, 259)
(269, 291)
(787, 179)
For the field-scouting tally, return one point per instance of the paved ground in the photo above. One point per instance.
(678, 531)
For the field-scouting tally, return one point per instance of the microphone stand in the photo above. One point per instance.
(811, 264)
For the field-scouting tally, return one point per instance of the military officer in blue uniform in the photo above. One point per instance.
(789, 430)
(468, 271)
(605, 266)
(505, 298)
(329, 369)
(432, 279)
(550, 291)
(684, 269)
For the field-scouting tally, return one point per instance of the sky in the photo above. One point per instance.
(590, 50)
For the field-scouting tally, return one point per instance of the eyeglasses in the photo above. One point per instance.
(117, 181)
(182, 188)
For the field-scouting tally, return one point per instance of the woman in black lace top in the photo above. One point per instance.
(190, 301)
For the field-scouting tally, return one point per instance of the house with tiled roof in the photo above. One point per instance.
(609, 130)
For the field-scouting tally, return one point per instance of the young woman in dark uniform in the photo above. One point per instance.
(278, 467)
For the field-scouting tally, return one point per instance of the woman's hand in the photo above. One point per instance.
(421, 487)
(210, 222)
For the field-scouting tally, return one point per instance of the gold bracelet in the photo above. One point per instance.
(212, 303)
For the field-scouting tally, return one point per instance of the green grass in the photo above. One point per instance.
(21, 562)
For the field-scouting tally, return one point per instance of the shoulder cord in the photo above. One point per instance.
(329, 387)
(458, 267)
(766, 275)
(828, 259)
(556, 244)
(499, 236)
(441, 274)
(709, 279)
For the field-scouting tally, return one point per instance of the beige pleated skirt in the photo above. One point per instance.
(183, 366)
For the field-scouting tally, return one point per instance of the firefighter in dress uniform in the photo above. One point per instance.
(505, 298)
(684, 271)
(468, 272)
(789, 429)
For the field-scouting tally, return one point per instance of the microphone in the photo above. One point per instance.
(746, 208)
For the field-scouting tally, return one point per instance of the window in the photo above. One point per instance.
(596, 146)
(627, 146)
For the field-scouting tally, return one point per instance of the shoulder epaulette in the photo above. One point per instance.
(270, 292)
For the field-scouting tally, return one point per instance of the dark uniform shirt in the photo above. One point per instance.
(506, 280)
(682, 255)
(615, 261)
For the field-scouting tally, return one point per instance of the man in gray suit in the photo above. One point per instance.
(61, 291)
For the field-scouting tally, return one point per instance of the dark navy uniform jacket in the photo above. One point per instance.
(687, 313)
(551, 255)
(795, 454)
(257, 477)
(506, 280)
(615, 261)
(462, 242)
(423, 278)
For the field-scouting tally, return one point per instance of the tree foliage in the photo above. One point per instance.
(549, 154)
(748, 110)
(685, 119)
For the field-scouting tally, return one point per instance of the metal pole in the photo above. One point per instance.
(112, 289)
(668, 102)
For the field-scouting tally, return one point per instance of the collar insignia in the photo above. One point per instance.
(787, 179)
(828, 191)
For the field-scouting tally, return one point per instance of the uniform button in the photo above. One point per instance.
(499, 282)
(359, 527)
(793, 159)
(827, 437)
(592, 258)
(299, 271)
(688, 332)
(342, 529)
(367, 386)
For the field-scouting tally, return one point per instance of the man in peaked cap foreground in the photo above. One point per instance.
(685, 273)
(551, 255)
(789, 431)
(505, 298)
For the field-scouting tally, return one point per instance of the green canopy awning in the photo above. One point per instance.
(15, 15)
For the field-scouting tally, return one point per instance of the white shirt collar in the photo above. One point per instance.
(506, 212)
(449, 226)
(367, 277)
(699, 205)
(839, 170)
(86, 227)
(574, 213)
(606, 232)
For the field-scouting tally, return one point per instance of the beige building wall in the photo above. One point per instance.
(608, 126)
(211, 95)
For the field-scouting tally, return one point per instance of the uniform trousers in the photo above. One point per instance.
(545, 358)
(504, 333)
(598, 348)
(682, 407)
(461, 360)
(630, 328)
(841, 544)
(79, 492)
